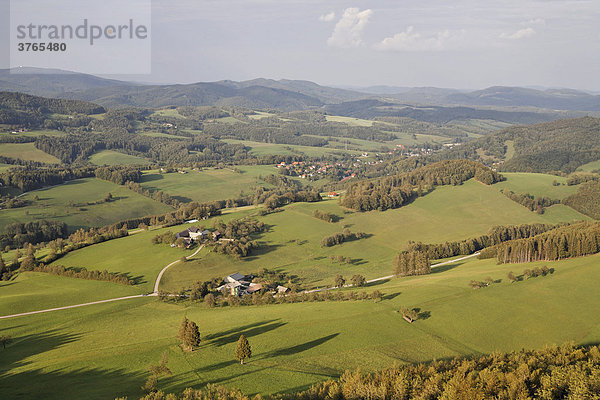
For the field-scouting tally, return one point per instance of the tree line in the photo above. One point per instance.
(83, 273)
(495, 235)
(532, 203)
(586, 200)
(408, 263)
(395, 191)
(569, 241)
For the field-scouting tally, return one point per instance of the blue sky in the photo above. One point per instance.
(462, 43)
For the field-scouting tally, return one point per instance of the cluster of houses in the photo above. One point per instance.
(312, 171)
(194, 234)
(239, 285)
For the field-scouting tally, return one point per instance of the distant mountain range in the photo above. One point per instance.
(282, 94)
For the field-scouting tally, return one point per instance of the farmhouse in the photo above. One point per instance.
(238, 284)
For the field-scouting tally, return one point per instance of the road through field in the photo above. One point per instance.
(155, 293)
(157, 283)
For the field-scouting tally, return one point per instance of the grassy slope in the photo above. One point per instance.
(103, 350)
(293, 241)
(52, 204)
(261, 149)
(593, 166)
(26, 151)
(208, 184)
(32, 291)
(134, 254)
(536, 185)
(349, 120)
(110, 157)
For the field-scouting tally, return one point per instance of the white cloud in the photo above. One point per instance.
(414, 41)
(327, 17)
(348, 30)
(520, 34)
(534, 21)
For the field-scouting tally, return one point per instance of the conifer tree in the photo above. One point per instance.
(242, 350)
(182, 328)
(191, 337)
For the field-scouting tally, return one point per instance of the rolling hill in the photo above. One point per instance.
(562, 145)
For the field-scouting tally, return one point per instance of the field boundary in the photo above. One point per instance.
(161, 273)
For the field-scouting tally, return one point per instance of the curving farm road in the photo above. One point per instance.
(155, 293)
(157, 283)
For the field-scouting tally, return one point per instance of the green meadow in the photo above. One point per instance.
(134, 255)
(54, 203)
(208, 184)
(292, 242)
(111, 157)
(536, 184)
(262, 149)
(26, 151)
(589, 167)
(103, 350)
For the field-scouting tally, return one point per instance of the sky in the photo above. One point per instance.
(466, 44)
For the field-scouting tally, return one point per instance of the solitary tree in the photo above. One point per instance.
(242, 350)
(511, 277)
(182, 328)
(4, 340)
(339, 281)
(191, 338)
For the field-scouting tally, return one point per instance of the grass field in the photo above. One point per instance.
(53, 204)
(134, 255)
(110, 157)
(292, 243)
(349, 120)
(208, 184)
(262, 149)
(593, 166)
(103, 350)
(536, 185)
(168, 112)
(35, 291)
(26, 151)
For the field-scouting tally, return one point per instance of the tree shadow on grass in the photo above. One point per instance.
(288, 351)
(422, 314)
(261, 251)
(21, 379)
(444, 268)
(232, 335)
(391, 296)
(152, 177)
(377, 283)
(182, 199)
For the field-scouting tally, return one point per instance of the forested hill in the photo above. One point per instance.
(31, 111)
(198, 94)
(25, 102)
(562, 145)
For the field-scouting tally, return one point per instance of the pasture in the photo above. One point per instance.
(68, 203)
(103, 350)
(208, 184)
(111, 157)
(27, 152)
